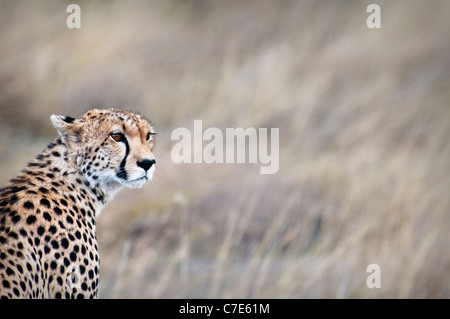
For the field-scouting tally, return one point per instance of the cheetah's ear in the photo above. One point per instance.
(67, 128)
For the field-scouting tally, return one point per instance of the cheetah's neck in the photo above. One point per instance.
(57, 173)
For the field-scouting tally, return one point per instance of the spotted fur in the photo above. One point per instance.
(48, 245)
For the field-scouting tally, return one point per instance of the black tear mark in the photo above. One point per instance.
(122, 173)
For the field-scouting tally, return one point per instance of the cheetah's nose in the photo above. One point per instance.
(146, 163)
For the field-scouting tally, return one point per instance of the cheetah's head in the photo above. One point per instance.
(109, 147)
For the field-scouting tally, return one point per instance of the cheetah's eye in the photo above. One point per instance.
(149, 135)
(118, 137)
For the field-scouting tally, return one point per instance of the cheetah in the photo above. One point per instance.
(48, 245)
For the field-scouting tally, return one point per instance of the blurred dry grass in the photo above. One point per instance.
(364, 139)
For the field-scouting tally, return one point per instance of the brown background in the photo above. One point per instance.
(364, 139)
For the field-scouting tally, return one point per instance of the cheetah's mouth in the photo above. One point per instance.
(139, 179)
(145, 177)
(124, 178)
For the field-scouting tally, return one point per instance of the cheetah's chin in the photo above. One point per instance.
(137, 183)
